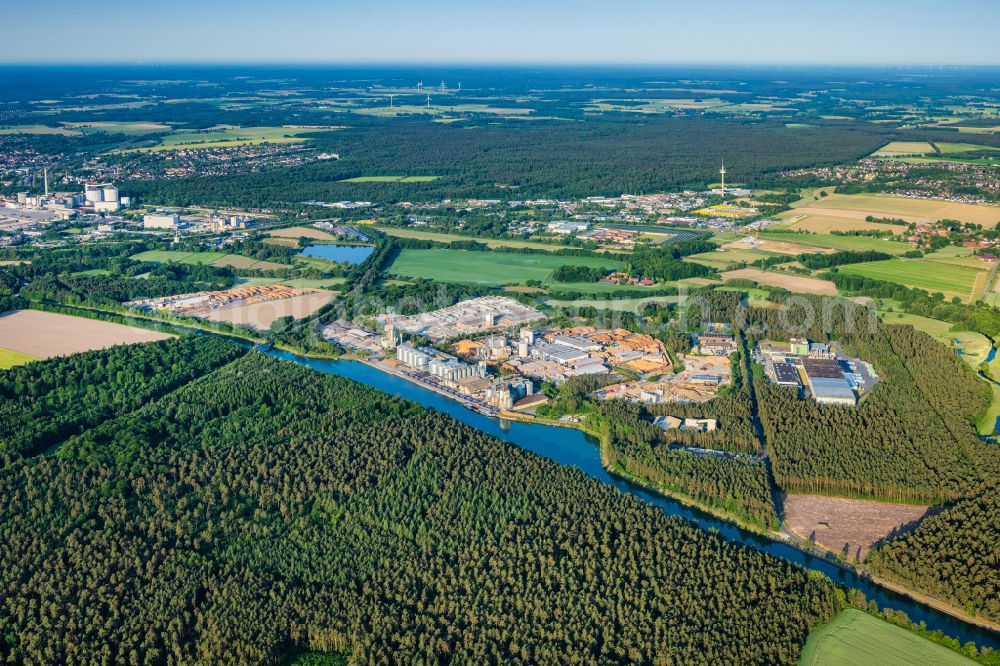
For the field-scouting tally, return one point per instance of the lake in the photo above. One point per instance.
(351, 254)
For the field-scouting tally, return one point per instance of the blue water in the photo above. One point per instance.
(991, 355)
(351, 254)
(573, 447)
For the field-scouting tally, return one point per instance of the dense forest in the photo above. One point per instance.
(524, 160)
(907, 440)
(43, 403)
(266, 509)
(952, 555)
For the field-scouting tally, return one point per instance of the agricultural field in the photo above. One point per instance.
(229, 136)
(975, 347)
(301, 232)
(958, 148)
(839, 242)
(466, 267)
(118, 127)
(46, 334)
(9, 358)
(858, 206)
(965, 282)
(847, 526)
(796, 283)
(854, 637)
(391, 179)
(298, 283)
(39, 129)
(904, 149)
(773, 247)
(440, 110)
(819, 221)
(217, 259)
(402, 232)
(617, 305)
(728, 256)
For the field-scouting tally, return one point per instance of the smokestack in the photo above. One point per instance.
(45, 171)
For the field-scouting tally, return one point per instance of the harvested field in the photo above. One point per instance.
(848, 526)
(300, 232)
(46, 334)
(797, 283)
(260, 316)
(839, 243)
(776, 247)
(904, 149)
(820, 221)
(911, 210)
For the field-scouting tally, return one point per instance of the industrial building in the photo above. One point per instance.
(103, 197)
(161, 221)
(437, 363)
(786, 374)
(826, 382)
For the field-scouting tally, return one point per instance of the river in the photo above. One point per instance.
(573, 447)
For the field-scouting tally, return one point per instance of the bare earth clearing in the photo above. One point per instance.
(47, 334)
(300, 232)
(803, 285)
(848, 526)
(261, 315)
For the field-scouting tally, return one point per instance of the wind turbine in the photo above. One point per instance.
(443, 87)
(428, 101)
(420, 86)
(390, 100)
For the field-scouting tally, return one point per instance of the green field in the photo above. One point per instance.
(300, 283)
(467, 267)
(854, 637)
(949, 279)
(840, 242)
(957, 148)
(166, 256)
(211, 258)
(451, 238)
(9, 358)
(226, 136)
(391, 179)
(618, 305)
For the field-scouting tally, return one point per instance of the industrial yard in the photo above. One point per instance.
(255, 306)
(468, 317)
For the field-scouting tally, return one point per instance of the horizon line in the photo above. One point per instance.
(373, 62)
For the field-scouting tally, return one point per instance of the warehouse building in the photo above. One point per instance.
(827, 383)
(786, 374)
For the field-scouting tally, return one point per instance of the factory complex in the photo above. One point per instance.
(698, 382)
(466, 318)
(816, 369)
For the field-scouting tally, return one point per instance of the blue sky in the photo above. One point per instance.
(509, 31)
